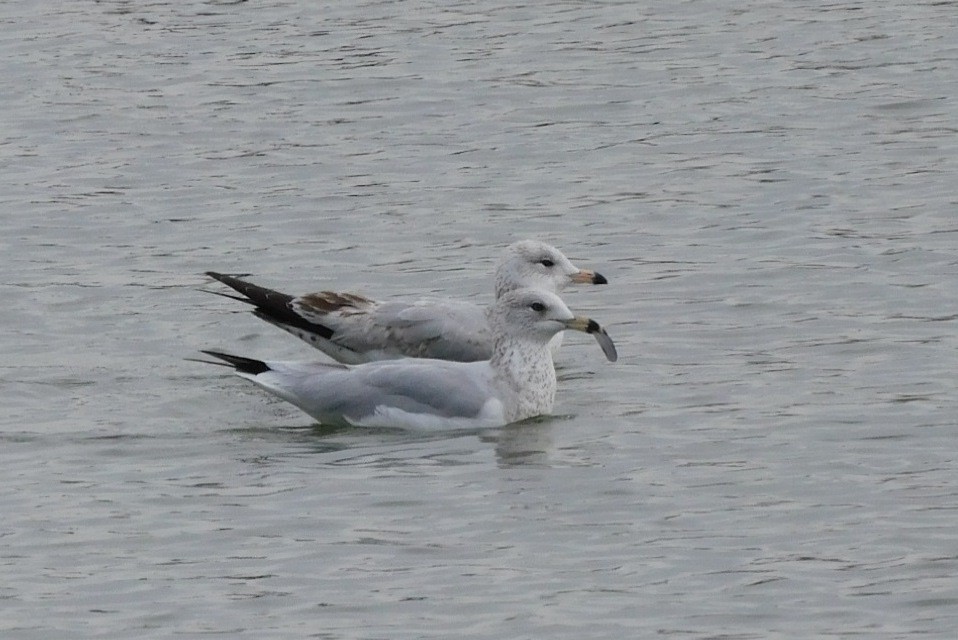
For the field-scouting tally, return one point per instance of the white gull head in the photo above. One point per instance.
(534, 264)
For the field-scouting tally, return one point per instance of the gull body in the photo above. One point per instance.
(517, 382)
(353, 329)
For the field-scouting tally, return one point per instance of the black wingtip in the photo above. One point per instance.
(241, 364)
(272, 306)
(229, 279)
(216, 275)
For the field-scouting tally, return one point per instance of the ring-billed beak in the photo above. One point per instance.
(587, 276)
(588, 325)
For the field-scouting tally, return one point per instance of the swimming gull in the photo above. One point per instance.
(353, 329)
(518, 382)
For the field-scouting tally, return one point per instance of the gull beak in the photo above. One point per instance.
(587, 276)
(588, 325)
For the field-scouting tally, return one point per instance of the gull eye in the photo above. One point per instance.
(545, 262)
(538, 307)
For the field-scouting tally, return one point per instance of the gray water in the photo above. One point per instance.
(768, 186)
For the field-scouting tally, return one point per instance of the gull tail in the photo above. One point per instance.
(272, 306)
(239, 363)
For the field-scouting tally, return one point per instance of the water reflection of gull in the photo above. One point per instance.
(528, 443)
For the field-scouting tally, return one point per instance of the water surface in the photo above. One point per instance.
(769, 187)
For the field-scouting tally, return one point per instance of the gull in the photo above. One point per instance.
(517, 382)
(353, 329)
